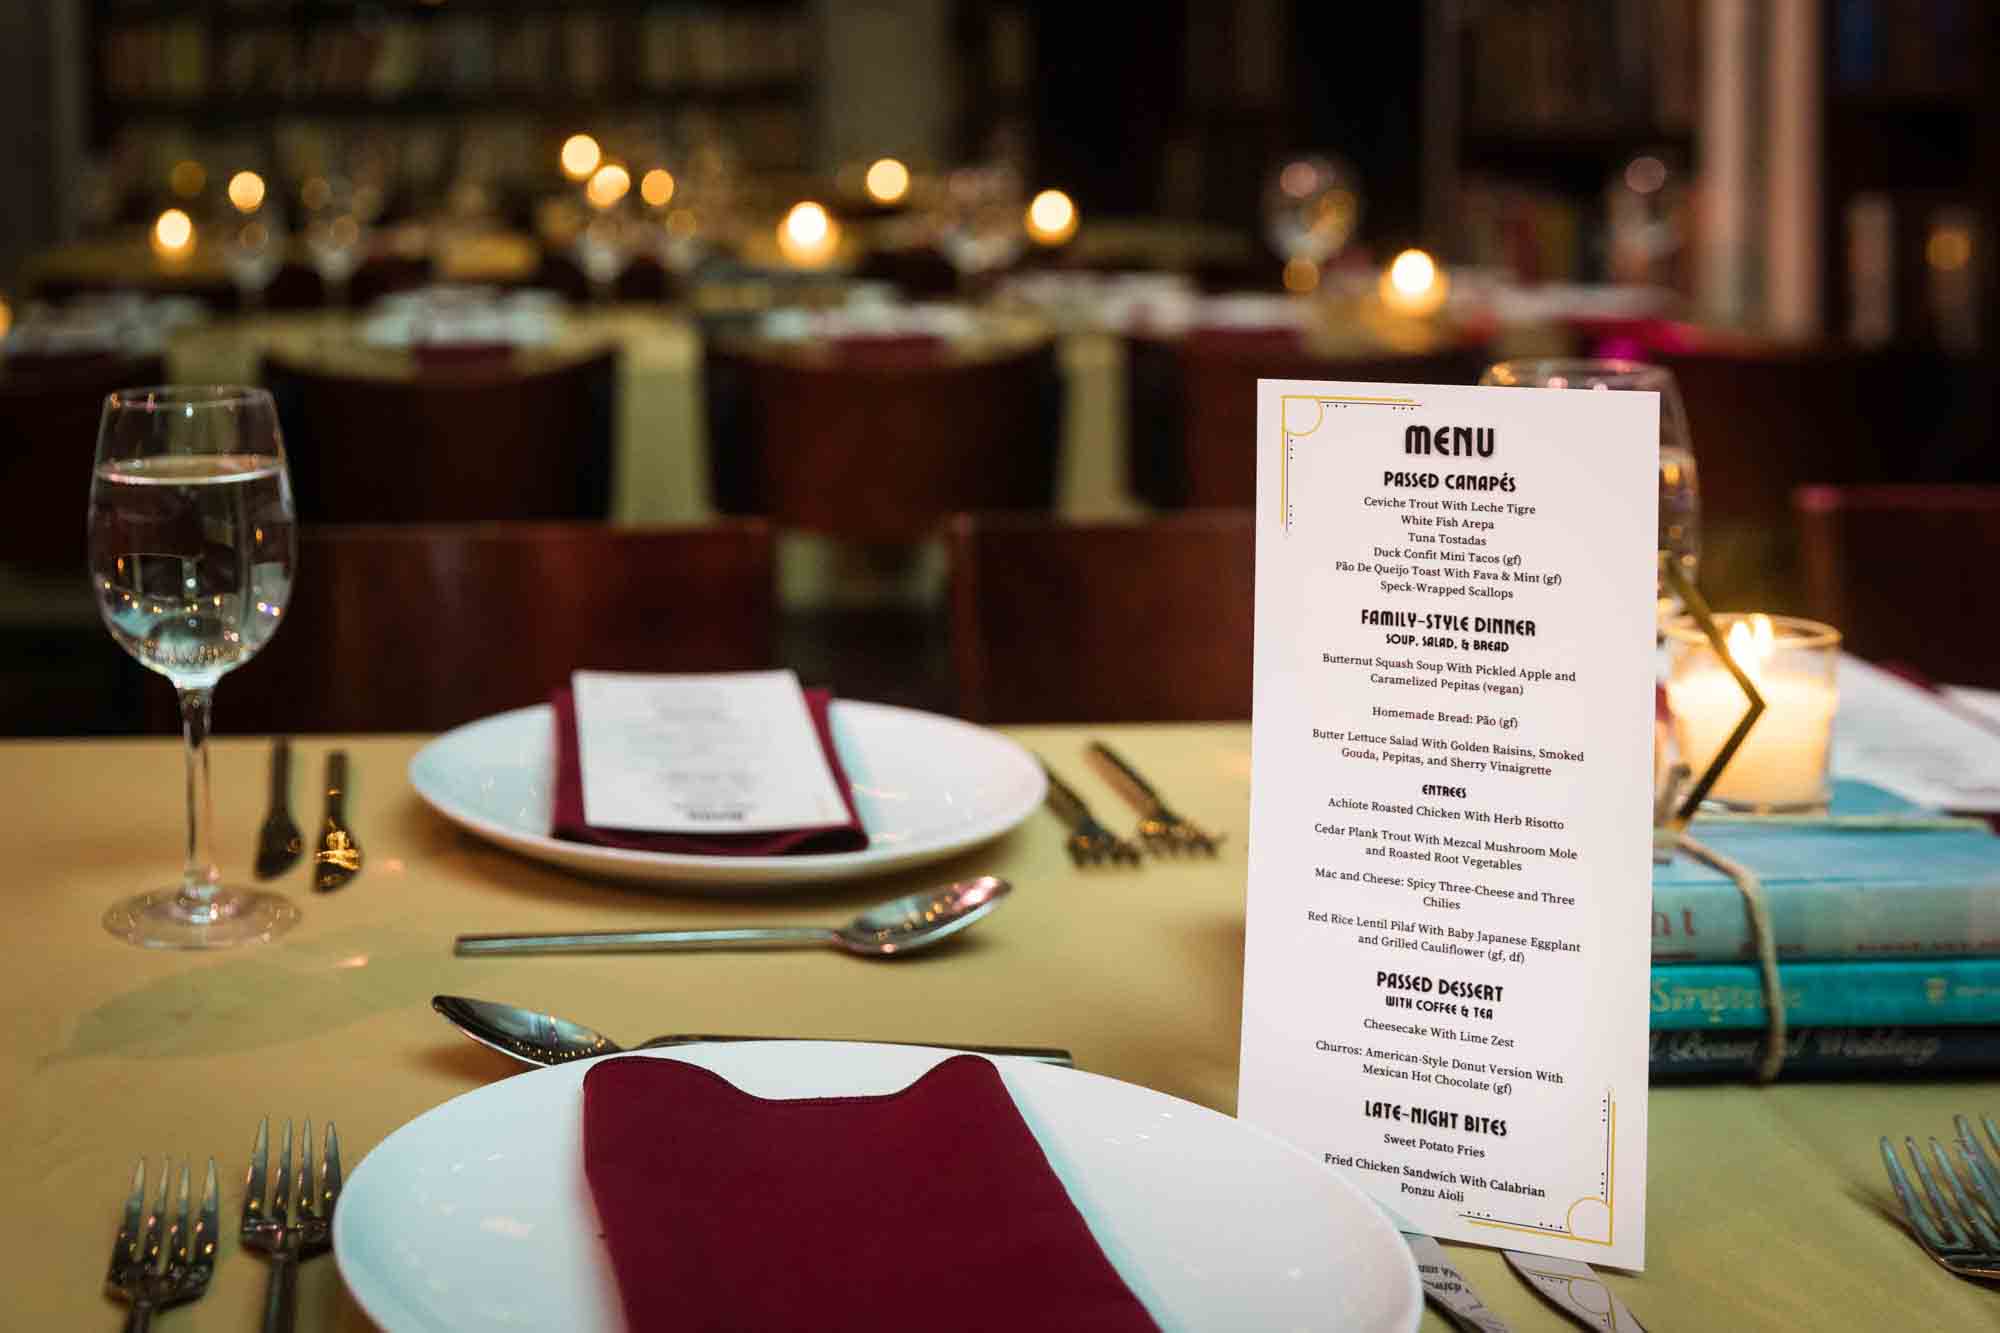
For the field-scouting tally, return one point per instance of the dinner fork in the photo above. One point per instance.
(136, 1275)
(289, 1238)
(1159, 828)
(1960, 1235)
(1090, 843)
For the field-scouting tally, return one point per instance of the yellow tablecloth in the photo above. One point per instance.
(1766, 1203)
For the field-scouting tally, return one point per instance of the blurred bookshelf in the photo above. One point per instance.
(1912, 116)
(1547, 102)
(496, 81)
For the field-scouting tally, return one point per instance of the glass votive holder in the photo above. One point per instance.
(1781, 767)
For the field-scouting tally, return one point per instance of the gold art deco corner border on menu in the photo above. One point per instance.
(1287, 436)
(1607, 1198)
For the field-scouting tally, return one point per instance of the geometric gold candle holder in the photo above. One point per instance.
(1703, 618)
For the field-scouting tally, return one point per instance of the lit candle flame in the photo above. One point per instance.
(1413, 284)
(1052, 217)
(1751, 642)
(887, 181)
(807, 235)
(246, 191)
(608, 185)
(656, 187)
(580, 156)
(173, 233)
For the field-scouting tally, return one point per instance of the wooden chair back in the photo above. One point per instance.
(49, 413)
(1112, 622)
(424, 627)
(1901, 572)
(885, 448)
(1194, 406)
(477, 440)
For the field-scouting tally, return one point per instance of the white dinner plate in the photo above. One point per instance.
(925, 787)
(476, 1215)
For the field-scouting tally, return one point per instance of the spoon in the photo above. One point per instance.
(889, 930)
(279, 841)
(543, 1039)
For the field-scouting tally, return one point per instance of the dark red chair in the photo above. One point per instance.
(422, 627)
(1103, 622)
(481, 439)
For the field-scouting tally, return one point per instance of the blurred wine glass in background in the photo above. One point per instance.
(1311, 206)
(981, 229)
(336, 232)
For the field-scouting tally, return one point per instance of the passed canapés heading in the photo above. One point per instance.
(1446, 946)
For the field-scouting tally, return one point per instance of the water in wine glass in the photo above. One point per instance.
(191, 559)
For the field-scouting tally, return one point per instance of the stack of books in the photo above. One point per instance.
(1888, 944)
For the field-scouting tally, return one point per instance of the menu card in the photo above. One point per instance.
(1446, 952)
(725, 753)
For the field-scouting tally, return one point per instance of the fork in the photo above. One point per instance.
(1090, 843)
(1160, 829)
(287, 1237)
(136, 1275)
(1961, 1235)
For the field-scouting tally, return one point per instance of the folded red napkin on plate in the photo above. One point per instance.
(568, 822)
(929, 1208)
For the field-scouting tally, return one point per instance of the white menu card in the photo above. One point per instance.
(733, 752)
(1447, 943)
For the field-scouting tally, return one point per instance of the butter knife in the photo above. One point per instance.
(1448, 1290)
(339, 856)
(279, 842)
(1575, 1288)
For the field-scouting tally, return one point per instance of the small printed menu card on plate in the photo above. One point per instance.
(1446, 956)
(708, 754)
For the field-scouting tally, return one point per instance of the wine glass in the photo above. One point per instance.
(1311, 206)
(253, 250)
(1680, 496)
(191, 551)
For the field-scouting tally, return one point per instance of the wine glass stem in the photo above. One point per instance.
(199, 877)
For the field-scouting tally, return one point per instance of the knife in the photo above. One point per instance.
(339, 856)
(1448, 1290)
(1576, 1290)
(279, 842)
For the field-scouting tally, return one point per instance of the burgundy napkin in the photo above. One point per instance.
(928, 1208)
(568, 814)
(887, 351)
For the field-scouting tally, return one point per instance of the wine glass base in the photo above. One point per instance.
(163, 919)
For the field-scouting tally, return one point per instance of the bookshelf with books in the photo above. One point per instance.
(1543, 107)
(245, 75)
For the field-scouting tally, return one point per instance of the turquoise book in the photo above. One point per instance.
(1873, 883)
(1844, 993)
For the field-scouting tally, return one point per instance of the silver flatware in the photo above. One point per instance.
(543, 1039)
(1446, 1287)
(150, 1272)
(889, 930)
(1963, 1233)
(1160, 828)
(339, 856)
(1574, 1287)
(1090, 843)
(290, 1236)
(279, 842)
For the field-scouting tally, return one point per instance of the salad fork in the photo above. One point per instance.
(1160, 829)
(1090, 843)
(137, 1275)
(289, 1237)
(1962, 1234)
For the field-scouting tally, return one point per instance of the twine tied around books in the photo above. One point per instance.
(1758, 910)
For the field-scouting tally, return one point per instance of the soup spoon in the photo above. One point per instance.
(888, 930)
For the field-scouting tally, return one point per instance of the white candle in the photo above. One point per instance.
(1782, 763)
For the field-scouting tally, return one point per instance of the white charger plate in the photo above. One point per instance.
(925, 787)
(476, 1215)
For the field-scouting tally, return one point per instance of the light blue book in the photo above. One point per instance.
(1868, 892)
(1925, 992)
